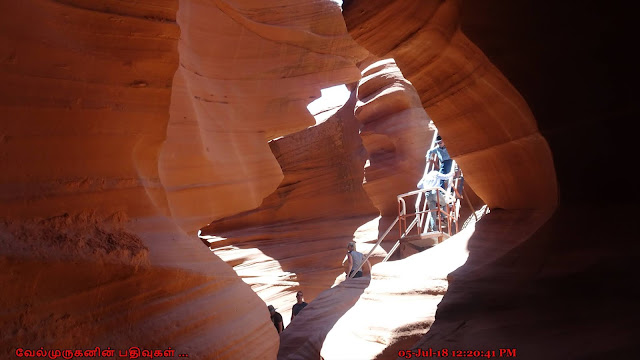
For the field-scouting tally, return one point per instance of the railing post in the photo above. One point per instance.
(399, 215)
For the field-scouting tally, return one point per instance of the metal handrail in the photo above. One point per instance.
(450, 201)
(431, 164)
(374, 247)
(393, 249)
(403, 214)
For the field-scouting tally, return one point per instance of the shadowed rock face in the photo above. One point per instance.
(159, 113)
(515, 291)
(133, 124)
(484, 120)
(489, 131)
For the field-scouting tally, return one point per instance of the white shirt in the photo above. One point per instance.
(432, 179)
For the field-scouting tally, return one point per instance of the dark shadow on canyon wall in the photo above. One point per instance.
(570, 61)
(568, 291)
(561, 294)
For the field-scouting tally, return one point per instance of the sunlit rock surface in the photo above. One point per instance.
(126, 127)
(297, 238)
(116, 145)
(394, 131)
(85, 103)
(403, 321)
(485, 122)
(527, 285)
(247, 72)
(392, 311)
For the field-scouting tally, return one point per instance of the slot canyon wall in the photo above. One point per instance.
(127, 127)
(527, 280)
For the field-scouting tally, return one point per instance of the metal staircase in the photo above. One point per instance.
(414, 228)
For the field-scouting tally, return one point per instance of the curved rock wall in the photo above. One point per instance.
(527, 285)
(232, 95)
(295, 240)
(490, 132)
(395, 131)
(486, 124)
(85, 103)
(118, 125)
(128, 125)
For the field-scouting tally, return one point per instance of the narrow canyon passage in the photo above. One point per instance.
(127, 128)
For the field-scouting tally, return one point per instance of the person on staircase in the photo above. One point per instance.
(442, 154)
(436, 199)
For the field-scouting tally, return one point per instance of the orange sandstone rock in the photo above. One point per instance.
(394, 131)
(160, 111)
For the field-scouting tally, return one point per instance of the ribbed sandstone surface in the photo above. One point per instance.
(128, 126)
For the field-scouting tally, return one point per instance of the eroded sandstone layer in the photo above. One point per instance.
(152, 113)
(514, 300)
(395, 131)
(85, 103)
(123, 132)
(247, 72)
(296, 239)
(485, 134)
(486, 123)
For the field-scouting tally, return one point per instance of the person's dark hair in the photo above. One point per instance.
(438, 138)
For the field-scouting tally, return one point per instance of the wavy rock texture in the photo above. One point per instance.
(140, 111)
(485, 121)
(230, 96)
(85, 102)
(449, 73)
(514, 288)
(296, 239)
(116, 145)
(120, 293)
(394, 131)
